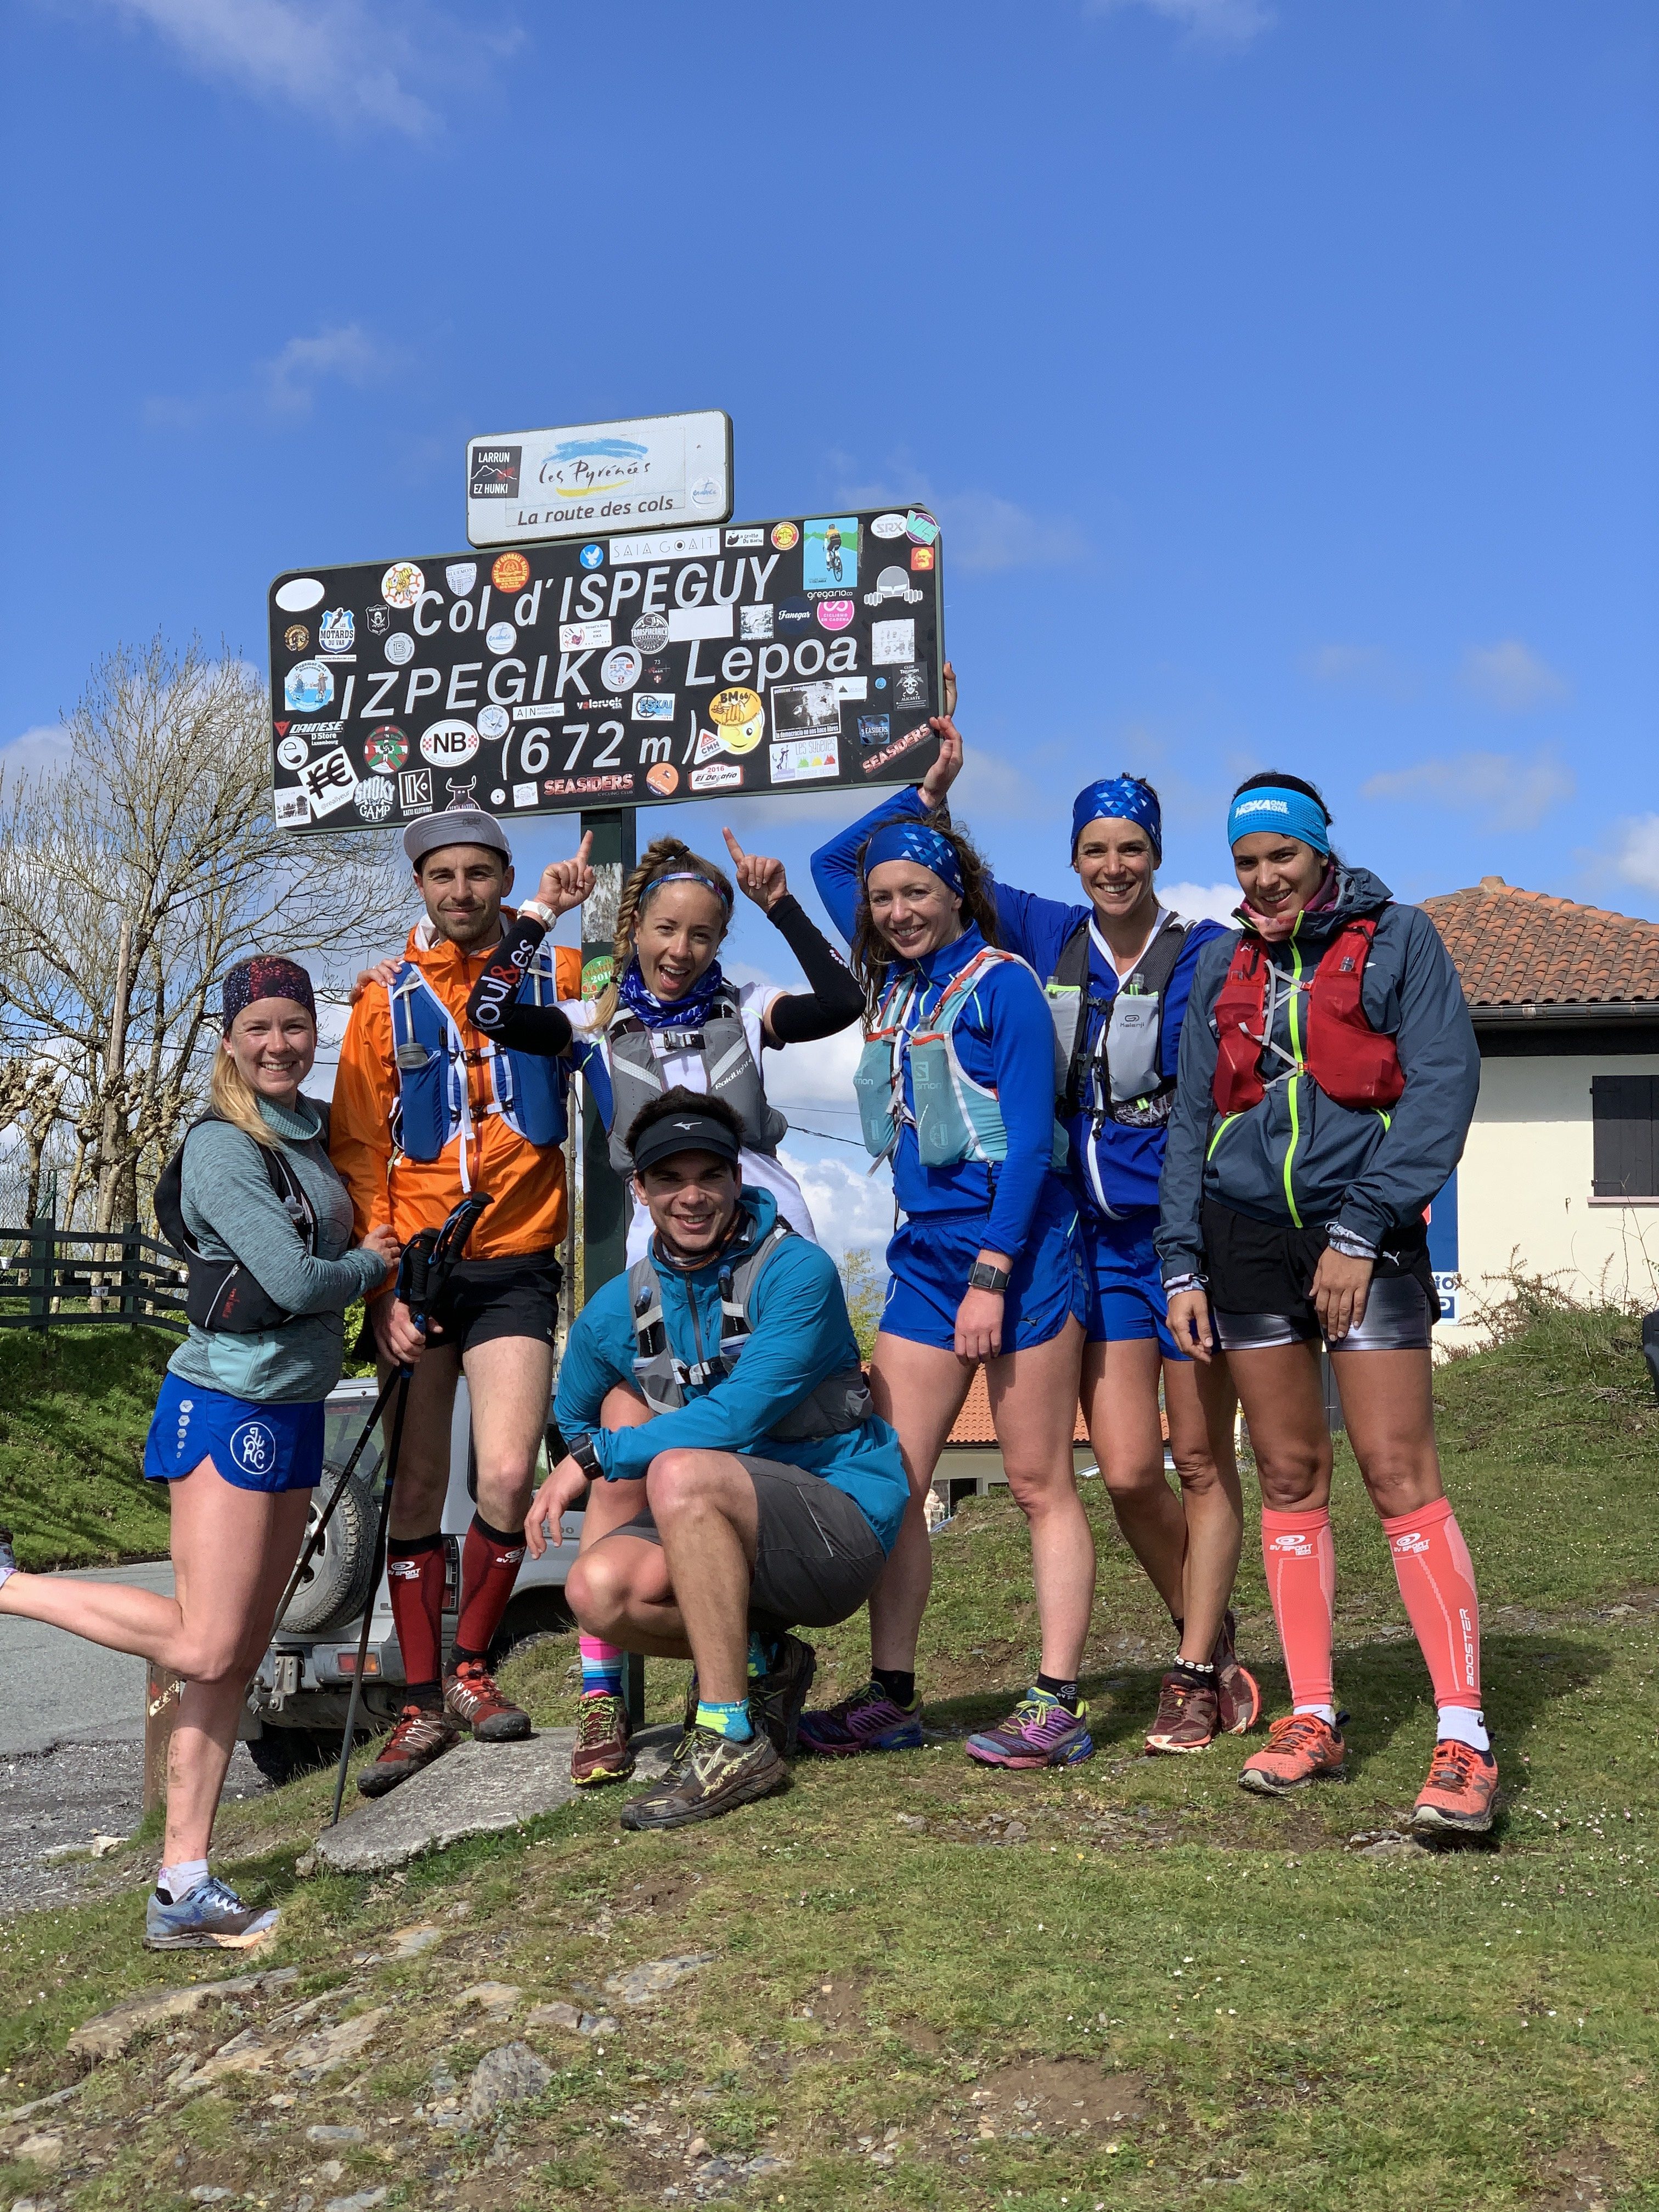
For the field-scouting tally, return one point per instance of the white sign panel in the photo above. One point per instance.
(598, 479)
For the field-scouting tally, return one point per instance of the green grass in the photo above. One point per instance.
(1250, 2011)
(75, 1409)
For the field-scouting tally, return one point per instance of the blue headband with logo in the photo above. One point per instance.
(915, 841)
(1275, 807)
(1120, 798)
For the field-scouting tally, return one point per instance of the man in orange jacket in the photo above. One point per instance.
(428, 1108)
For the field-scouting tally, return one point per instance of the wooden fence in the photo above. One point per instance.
(62, 1278)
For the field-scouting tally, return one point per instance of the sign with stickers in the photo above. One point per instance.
(627, 671)
(523, 486)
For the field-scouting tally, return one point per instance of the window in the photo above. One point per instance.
(1625, 1111)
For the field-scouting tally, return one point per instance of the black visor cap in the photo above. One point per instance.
(683, 1133)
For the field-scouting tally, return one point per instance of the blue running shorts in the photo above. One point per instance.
(931, 1255)
(252, 1447)
(1124, 1283)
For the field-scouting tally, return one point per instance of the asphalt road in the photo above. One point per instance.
(56, 1689)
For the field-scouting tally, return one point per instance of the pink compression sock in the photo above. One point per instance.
(1300, 1563)
(1432, 1567)
(602, 1666)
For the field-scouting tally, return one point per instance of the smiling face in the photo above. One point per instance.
(677, 934)
(462, 887)
(273, 1043)
(1114, 860)
(913, 910)
(692, 1200)
(1277, 874)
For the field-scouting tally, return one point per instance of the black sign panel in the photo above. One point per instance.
(628, 671)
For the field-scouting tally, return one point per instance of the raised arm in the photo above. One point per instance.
(835, 1000)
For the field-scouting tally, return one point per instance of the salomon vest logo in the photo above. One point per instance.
(253, 1448)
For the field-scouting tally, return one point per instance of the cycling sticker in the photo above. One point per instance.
(830, 555)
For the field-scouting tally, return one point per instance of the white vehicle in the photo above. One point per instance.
(297, 1704)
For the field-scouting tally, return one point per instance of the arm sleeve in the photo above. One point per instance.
(1179, 1240)
(360, 1119)
(835, 1000)
(836, 865)
(225, 1184)
(1034, 927)
(1019, 1031)
(587, 1369)
(796, 1344)
(1431, 1120)
(543, 1030)
(493, 1004)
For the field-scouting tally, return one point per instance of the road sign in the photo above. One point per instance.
(524, 486)
(627, 671)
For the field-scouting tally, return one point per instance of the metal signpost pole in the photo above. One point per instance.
(604, 1201)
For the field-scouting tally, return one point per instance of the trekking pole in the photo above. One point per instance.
(427, 1260)
(320, 1527)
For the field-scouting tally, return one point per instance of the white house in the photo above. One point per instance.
(1560, 1175)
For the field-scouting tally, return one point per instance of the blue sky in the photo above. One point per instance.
(1282, 370)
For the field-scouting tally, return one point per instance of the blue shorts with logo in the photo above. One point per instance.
(252, 1447)
(932, 1255)
(1124, 1284)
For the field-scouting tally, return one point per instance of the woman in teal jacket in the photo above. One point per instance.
(238, 1431)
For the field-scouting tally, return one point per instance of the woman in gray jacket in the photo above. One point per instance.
(237, 1430)
(1327, 1076)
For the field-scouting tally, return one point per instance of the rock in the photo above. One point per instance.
(305, 1866)
(324, 2135)
(507, 2075)
(1386, 1844)
(101, 1846)
(359, 2201)
(572, 2022)
(331, 2170)
(477, 1790)
(39, 2104)
(493, 1996)
(327, 2048)
(639, 1985)
(916, 1821)
(409, 1943)
(39, 2150)
(205, 2193)
(244, 2054)
(698, 2147)
(110, 2032)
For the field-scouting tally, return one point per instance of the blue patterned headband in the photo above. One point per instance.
(1120, 798)
(915, 841)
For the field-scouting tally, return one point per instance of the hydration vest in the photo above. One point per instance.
(719, 1044)
(954, 1118)
(221, 1293)
(1356, 1065)
(1120, 1077)
(434, 1098)
(841, 1402)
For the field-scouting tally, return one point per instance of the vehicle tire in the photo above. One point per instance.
(336, 1587)
(280, 1753)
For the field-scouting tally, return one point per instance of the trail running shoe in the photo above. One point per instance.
(602, 1751)
(1300, 1747)
(212, 1917)
(423, 1734)
(776, 1697)
(1039, 1732)
(1459, 1798)
(867, 1721)
(1187, 1717)
(472, 1698)
(709, 1775)
(1238, 1694)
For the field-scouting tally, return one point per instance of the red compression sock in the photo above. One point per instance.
(1432, 1567)
(415, 1576)
(490, 1567)
(1301, 1564)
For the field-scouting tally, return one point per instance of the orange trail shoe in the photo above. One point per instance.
(1300, 1747)
(1460, 1796)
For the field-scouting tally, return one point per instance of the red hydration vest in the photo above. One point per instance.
(1351, 1062)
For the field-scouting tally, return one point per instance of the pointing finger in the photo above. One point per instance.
(732, 845)
(584, 848)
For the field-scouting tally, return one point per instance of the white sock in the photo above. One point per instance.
(1464, 1725)
(174, 1883)
(1326, 1713)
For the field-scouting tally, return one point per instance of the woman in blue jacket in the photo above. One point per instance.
(1118, 971)
(957, 1089)
(238, 1432)
(1329, 1075)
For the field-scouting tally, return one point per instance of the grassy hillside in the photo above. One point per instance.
(924, 1985)
(75, 1407)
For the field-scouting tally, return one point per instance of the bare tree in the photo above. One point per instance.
(135, 874)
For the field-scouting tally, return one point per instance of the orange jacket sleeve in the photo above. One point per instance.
(360, 1125)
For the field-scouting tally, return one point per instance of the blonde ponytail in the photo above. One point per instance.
(664, 856)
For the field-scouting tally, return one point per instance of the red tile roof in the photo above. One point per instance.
(1516, 948)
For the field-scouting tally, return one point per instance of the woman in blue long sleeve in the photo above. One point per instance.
(956, 1088)
(1118, 971)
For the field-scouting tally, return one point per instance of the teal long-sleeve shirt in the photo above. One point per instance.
(800, 1336)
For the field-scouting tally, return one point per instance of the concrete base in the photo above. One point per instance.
(477, 1790)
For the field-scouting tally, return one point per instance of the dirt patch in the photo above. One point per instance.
(837, 2000)
(1578, 2181)
(1059, 2096)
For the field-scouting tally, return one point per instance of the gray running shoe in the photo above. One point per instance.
(212, 1917)
(709, 1775)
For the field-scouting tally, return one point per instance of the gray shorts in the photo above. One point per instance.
(1397, 1319)
(817, 1558)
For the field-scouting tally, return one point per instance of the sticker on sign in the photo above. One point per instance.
(590, 479)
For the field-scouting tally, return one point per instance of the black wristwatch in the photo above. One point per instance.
(587, 1458)
(985, 1277)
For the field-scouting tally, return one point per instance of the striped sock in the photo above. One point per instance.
(602, 1668)
(729, 1721)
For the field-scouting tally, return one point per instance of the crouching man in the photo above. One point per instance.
(772, 1492)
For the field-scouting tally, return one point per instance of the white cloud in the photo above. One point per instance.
(851, 1211)
(46, 746)
(1363, 667)
(1215, 23)
(347, 352)
(1510, 677)
(1213, 902)
(1636, 853)
(1507, 792)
